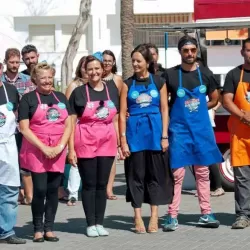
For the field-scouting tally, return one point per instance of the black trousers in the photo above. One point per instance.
(45, 200)
(94, 174)
(149, 178)
(215, 179)
(242, 191)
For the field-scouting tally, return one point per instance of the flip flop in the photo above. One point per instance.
(71, 202)
(112, 197)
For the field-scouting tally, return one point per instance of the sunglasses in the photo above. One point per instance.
(193, 50)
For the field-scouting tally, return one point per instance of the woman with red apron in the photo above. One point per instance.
(93, 143)
(46, 126)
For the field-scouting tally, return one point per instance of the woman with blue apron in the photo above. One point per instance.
(144, 140)
(191, 139)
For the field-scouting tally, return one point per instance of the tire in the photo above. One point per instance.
(226, 172)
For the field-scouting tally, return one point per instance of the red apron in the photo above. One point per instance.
(95, 132)
(48, 124)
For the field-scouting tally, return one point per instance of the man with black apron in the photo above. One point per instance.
(9, 168)
(191, 136)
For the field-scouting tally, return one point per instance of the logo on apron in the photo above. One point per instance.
(52, 114)
(154, 93)
(192, 104)
(2, 119)
(144, 100)
(43, 106)
(102, 112)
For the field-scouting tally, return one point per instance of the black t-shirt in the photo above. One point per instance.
(159, 81)
(12, 95)
(26, 72)
(29, 103)
(78, 98)
(233, 78)
(190, 80)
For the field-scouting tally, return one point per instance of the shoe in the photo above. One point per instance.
(51, 238)
(92, 231)
(241, 223)
(13, 239)
(71, 202)
(153, 225)
(170, 224)
(218, 192)
(208, 221)
(139, 226)
(101, 230)
(38, 240)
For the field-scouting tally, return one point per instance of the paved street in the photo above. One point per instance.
(70, 227)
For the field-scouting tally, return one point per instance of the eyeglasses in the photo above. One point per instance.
(108, 62)
(193, 50)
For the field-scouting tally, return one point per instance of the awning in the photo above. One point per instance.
(212, 9)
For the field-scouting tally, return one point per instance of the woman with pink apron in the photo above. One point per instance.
(46, 126)
(93, 145)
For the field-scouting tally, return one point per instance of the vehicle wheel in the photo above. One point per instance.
(226, 172)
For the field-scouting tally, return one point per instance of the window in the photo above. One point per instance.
(43, 37)
(66, 35)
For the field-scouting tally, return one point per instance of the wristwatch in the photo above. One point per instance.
(123, 134)
(164, 137)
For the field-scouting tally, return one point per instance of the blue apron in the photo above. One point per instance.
(144, 125)
(191, 136)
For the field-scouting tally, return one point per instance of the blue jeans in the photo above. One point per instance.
(8, 210)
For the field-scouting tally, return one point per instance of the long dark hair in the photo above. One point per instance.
(145, 52)
(110, 53)
(78, 74)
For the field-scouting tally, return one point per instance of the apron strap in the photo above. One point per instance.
(6, 94)
(38, 97)
(55, 96)
(241, 74)
(87, 92)
(107, 91)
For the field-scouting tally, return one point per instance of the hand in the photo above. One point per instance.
(49, 152)
(120, 155)
(246, 117)
(164, 144)
(125, 150)
(72, 158)
(127, 115)
(58, 149)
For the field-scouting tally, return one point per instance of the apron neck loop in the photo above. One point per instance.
(87, 92)
(39, 99)
(6, 94)
(241, 74)
(107, 91)
(199, 74)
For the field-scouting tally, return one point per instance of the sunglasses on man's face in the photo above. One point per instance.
(192, 50)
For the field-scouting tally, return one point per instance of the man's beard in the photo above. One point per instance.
(184, 60)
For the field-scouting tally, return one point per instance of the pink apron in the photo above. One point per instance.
(95, 132)
(48, 124)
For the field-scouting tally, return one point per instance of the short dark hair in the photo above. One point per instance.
(28, 48)
(143, 49)
(244, 42)
(110, 53)
(185, 39)
(153, 46)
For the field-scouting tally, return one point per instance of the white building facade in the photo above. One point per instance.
(48, 24)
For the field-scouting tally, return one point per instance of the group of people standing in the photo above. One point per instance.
(102, 117)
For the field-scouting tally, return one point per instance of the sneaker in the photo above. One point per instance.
(13, 239)
(209, 221)
(218, 192)
(170, 224)
(241, 223)
(101, 230)
(92, 232)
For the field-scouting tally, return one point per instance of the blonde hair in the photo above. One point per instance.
(39, 67)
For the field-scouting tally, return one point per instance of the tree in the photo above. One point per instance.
(127, 30)
(81, 25)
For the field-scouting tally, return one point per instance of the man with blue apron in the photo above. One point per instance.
(9, 169)
(191, 136)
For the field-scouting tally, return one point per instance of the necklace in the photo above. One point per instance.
(108, 77)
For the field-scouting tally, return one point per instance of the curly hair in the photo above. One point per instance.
(38, 67)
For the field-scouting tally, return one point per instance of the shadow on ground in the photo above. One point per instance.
(123, 223)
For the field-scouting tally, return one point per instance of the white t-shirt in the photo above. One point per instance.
(210, 113)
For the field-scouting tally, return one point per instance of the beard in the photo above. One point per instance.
(189, 60)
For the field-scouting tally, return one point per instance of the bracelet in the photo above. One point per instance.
(164, 137)
(61, 146)
(118, 146)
